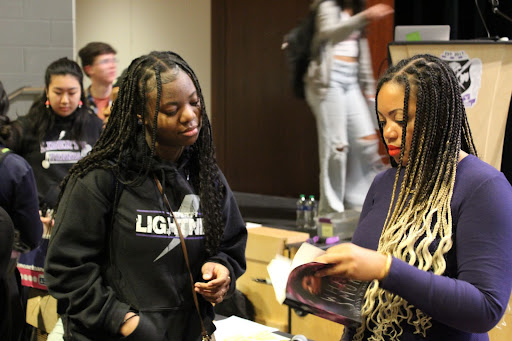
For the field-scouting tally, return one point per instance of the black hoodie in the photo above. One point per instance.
(99, 266)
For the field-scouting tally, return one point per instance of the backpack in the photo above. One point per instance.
(296, 45)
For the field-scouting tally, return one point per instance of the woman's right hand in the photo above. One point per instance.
(377, 12)
(130, 325)
(354, 262)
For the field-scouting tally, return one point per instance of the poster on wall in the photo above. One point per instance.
(469, 74)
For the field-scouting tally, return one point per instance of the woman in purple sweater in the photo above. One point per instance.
(435, 233)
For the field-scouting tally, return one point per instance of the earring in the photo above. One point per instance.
(47, 103)
(80, 104)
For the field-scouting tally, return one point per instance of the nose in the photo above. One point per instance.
(189, 114)
(390, 131)
(64, 99)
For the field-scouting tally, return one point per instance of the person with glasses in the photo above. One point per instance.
(100, 65)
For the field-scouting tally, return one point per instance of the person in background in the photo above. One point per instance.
(137, 284)
(340, 65)
(113, 96)
(435, 231)
(8, 313)
(58, 130)
(21, 227)
(100, 65)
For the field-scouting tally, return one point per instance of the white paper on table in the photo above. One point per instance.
(235, 328)
(251, 225)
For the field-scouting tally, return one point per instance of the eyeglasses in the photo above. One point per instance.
(107, 61)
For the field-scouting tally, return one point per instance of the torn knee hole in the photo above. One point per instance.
(340, 148)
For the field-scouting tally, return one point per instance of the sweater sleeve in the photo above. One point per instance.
(25, 213)
(77, 252)
(329, 25)
(365, 68)
(232, 248)
(477, 298)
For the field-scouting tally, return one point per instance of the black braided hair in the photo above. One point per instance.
(114, 149)
(441, 127)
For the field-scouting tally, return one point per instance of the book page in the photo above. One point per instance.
(306, 254)
(278, 270)
(280, 267)
(332, 297)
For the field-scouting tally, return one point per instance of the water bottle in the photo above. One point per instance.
(300, 219)
(310, 214)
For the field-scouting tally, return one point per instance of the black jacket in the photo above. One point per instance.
(18, 196)
(99, 266)
(52, 158)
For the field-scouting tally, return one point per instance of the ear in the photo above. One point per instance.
(87, 69)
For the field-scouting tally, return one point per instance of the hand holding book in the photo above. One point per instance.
(296, 284)
(351, 261)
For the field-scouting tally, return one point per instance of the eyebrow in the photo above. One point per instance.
(176, 102)
(392, 112)
(70, 88)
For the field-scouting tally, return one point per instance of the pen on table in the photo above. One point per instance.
(262, 280)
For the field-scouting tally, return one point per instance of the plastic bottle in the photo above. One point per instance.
(310, 214)
(301, 205)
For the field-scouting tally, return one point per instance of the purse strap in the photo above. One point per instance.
(204, 333)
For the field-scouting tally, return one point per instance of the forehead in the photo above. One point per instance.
(392, 94)
(175, 83)
(104, 56)
(64, 81)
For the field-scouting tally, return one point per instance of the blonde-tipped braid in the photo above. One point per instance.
(421, 213)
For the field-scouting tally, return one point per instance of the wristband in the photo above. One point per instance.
(389, 260)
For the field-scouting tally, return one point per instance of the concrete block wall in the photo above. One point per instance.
(33, 33)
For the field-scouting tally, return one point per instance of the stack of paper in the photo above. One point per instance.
(235, 328)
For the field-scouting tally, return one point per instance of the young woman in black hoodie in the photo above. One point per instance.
(115, 261)
(58, 130)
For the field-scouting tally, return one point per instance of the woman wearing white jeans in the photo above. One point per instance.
(337, 77)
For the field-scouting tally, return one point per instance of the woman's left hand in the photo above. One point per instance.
(354, 262)
(217, 282)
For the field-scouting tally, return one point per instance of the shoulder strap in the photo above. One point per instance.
(204, 333)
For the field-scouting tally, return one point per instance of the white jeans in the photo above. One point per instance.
(348, 163)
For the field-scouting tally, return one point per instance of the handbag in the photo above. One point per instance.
(204, 334)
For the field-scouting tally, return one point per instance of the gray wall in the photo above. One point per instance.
(33, 33)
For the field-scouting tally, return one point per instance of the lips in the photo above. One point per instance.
(191, 131)
(393, 151)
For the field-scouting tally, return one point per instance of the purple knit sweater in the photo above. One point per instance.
(472, 300)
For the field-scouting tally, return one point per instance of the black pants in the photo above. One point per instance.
(12, 319)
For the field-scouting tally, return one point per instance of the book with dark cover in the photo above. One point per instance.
(333, 297)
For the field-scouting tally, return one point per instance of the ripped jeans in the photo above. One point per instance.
(348, 162)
